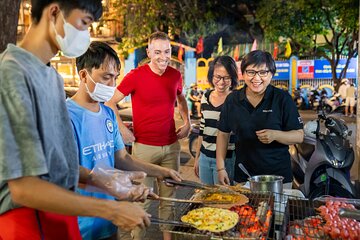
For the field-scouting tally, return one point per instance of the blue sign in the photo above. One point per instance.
(282, 70)
(323, 68)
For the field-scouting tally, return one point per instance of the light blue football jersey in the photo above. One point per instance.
(98, 139)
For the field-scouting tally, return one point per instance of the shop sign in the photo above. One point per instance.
(305, 69)
(282, 70)
(323, 68)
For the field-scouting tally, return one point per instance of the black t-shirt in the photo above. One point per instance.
(276, 111)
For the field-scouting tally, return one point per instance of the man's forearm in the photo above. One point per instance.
(183, 109)
(112, 105)
(36, 193)
(128, 163)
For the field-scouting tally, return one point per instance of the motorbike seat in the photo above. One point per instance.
(305, 150)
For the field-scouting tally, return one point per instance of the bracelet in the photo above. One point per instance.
(220, 169)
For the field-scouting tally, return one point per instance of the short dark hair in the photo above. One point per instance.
(94, 7)
(96, 55)
(158, 35)
(229, 64)
(258, 58)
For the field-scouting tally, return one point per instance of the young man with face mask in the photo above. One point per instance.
(39, 166)
(154, 89)
(95, 126)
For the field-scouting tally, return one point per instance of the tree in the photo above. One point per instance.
(9, 14)
(304, 22)
(186, 21)
(188, 18)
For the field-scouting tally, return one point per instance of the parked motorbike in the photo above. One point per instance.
(193, 136)
(314, 99)
(301, 99)
(321, 164)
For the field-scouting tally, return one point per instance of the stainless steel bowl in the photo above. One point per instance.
(266, 183)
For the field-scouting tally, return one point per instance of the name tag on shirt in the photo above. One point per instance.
(267, 110)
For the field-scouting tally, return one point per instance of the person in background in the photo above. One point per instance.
(265, 121)
(194, 98)
(223, 77)
(98, 70)
(39, 165)
(154, 89)
(342, 89)
(350, 100)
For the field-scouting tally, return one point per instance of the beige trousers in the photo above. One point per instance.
(166, 156)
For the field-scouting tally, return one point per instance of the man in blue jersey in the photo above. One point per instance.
(98, 138)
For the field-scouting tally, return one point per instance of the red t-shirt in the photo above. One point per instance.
(153, 100)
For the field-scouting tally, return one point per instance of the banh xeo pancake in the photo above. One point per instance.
(211, 219)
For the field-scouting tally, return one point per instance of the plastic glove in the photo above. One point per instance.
(117, 183)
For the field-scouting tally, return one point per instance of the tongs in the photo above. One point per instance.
(155, 220)
(187, 183)
(349, 213)
(196, 185)
(186, 200)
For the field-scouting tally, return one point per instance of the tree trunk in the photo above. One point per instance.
(9, 14)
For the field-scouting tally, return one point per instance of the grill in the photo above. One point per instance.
(296, 218)
(290, 217)
(247, 228)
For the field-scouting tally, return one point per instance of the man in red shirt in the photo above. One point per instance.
(154, 88)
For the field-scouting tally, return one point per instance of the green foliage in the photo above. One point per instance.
(190, 18)
(322, 28)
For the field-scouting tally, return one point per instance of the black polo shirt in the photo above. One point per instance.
(276, 111)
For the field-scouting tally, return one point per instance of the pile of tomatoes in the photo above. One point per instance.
(337, 227)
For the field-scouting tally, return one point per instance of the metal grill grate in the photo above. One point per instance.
(296, 218)
(247, 228)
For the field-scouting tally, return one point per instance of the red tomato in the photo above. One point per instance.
(335, 232)
(353, 235)
(344, 234)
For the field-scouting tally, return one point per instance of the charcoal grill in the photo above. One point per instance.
(292, 217)
(296, 218)
(189, 233)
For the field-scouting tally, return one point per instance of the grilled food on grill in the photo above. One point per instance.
(211, 219)
(225, 197)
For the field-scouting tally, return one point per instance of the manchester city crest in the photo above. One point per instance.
(109, 125)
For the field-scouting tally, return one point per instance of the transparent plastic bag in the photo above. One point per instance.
(117, 183)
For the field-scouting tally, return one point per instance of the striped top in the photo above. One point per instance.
(208, 128)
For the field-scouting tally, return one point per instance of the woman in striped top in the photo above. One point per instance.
(223, 77)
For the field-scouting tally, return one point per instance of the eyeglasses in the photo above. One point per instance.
(218, 78)
(261, 73)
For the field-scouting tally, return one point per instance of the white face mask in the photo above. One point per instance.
(75, 42)
(101, 93)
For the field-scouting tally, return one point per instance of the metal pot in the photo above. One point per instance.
(266, 183)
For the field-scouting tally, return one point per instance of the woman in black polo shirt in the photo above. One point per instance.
(265, 121)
